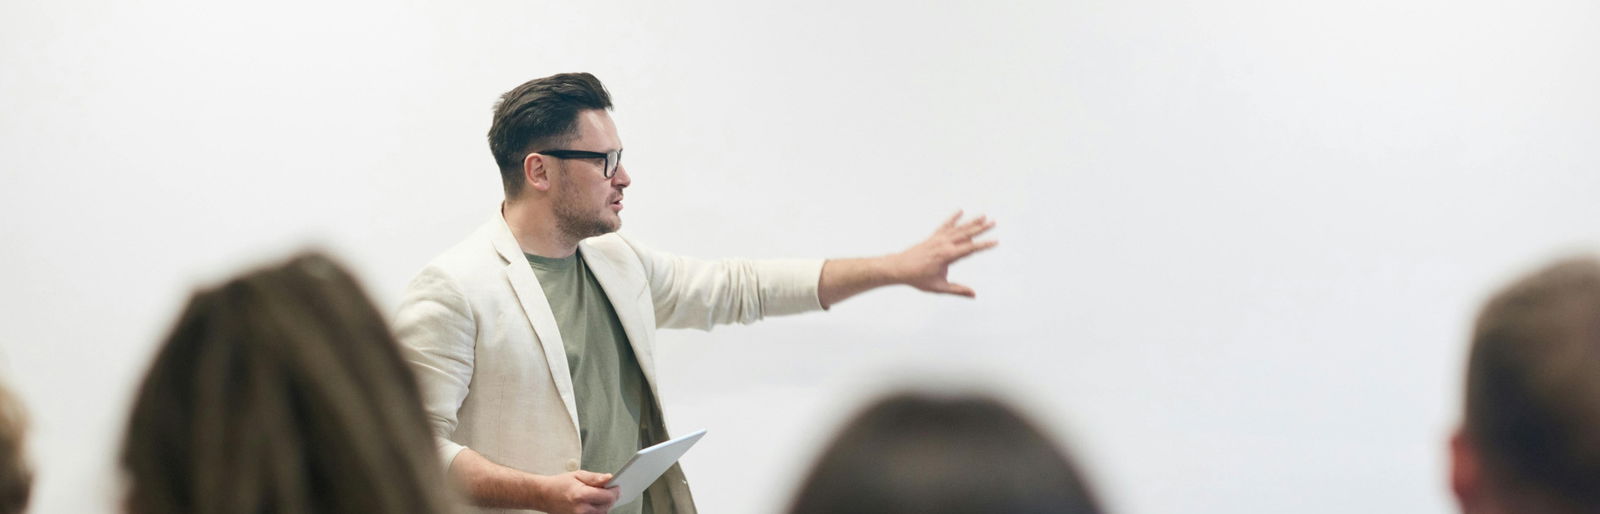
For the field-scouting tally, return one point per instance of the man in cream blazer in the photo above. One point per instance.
(481, 333)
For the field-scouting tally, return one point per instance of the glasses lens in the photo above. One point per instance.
(613, 159)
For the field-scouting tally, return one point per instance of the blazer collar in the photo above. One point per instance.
(624, 292)
(531, 295)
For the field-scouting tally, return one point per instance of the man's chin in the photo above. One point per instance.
(580, 224)
(601, 229)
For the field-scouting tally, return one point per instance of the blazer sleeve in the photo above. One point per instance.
(697, 293)
(437, 336)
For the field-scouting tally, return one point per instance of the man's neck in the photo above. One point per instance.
(536, 231)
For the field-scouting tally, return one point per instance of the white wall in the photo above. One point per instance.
(1241, 240)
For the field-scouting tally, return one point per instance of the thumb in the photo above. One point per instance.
(591, 478)
(958, 289)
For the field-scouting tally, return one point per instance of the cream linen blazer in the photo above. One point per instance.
(479, 333)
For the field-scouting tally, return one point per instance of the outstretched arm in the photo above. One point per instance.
(925, 266)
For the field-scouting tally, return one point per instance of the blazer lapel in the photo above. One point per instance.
(623, 293)
(531, 295)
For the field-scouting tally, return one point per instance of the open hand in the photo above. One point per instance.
(926, 266)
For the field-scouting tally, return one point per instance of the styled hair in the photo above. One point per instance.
(282, 391)
(540, 112)
(919, 454)
(16, 478)
(1533, 388)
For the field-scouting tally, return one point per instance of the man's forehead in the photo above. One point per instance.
(596, 131)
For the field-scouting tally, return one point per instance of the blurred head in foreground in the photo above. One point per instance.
(16, 480)
(281, 391)
(926, 454)
(1530, 442)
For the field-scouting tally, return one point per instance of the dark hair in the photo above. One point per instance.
(912, 453)
(1533, 387)
(16, 479)
(540, 112)
(282, 391)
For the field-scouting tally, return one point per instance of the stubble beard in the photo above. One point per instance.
(577, 224)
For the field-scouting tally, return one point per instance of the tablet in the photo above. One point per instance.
(647, 465)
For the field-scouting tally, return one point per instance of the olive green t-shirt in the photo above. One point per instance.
(614, 403)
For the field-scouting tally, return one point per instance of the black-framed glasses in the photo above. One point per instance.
(612, 159)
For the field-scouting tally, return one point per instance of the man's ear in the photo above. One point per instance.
(535, 172)
(1466, 472)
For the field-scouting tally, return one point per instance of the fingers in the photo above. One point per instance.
(973, 228)
(956, 230)
(599, 498)
(960, 238)
(591, 478)
(604, 497)
(973, 247)
(952, 221)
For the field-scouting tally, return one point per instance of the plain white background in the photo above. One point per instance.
(1241, 241)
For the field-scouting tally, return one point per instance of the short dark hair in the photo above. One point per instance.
(1533, 387)
(923, 454)
(282, 391)
(539, 112)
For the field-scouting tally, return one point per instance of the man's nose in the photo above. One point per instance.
(621, 178)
